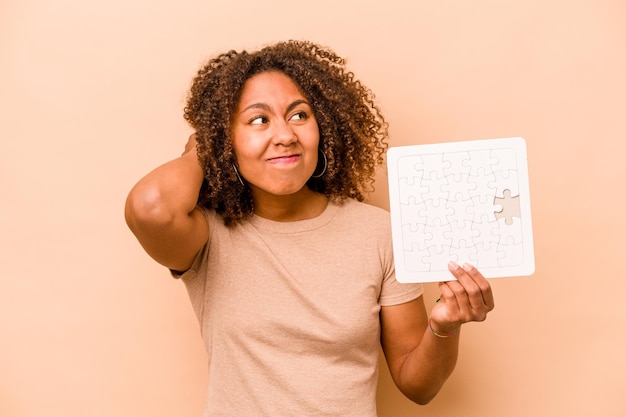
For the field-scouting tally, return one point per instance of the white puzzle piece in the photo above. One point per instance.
(461, 201)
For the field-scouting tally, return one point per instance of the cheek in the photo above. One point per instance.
(246, 148)
(313, 147)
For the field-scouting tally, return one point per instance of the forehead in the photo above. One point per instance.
(269, 86)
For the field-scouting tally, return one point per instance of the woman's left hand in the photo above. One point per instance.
(469, 298)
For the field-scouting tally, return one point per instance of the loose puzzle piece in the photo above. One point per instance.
(460, 201)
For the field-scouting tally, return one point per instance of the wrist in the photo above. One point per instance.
(443, 332)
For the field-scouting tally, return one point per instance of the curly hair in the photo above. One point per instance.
(353, 131)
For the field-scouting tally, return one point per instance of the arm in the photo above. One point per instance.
(420, 361)
(161, 211)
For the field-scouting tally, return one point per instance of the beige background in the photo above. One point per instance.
(91, 98)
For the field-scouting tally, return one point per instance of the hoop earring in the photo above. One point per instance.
(325, 165)
(238, 176)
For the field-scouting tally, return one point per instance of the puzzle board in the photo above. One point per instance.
(462, 201)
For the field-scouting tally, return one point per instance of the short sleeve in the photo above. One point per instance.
(392, 291)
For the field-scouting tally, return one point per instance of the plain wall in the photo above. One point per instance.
(91, 99)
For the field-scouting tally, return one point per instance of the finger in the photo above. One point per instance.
(191, 143)
(482, 284)
(469, 293)
(448, 297)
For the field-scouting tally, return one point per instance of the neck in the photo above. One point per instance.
(303, 205)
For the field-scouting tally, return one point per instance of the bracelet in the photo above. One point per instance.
(442, 336)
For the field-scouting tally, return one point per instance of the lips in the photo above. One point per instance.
(284, 158)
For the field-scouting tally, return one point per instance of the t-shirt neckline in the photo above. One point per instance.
(296, 226)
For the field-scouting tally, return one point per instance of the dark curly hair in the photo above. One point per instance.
(353, 131)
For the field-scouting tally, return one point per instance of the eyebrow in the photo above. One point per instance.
(266, 107)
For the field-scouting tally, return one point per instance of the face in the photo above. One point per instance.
(275, 135)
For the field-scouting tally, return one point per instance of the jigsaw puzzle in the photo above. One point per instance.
(461, 201)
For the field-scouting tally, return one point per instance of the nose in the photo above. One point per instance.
(284, 134)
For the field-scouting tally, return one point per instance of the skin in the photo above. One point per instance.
(419, 361)
(275, 139)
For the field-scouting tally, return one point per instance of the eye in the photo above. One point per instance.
(301, 115)
(258, 120)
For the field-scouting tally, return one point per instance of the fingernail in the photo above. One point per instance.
(453, 265)
(467, 267)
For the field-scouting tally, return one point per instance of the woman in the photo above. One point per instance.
(289, 272)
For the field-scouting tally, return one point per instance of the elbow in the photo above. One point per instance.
(424, 400)
(421, 401)
(421, 398)
(146, 207)
(421, 394)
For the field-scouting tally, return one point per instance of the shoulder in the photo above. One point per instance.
(366, 220)
(364, 209)
(215, 220)
(359, 212)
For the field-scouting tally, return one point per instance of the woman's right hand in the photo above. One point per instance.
(191, 144)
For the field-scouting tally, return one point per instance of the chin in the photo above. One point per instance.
(288, 189)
